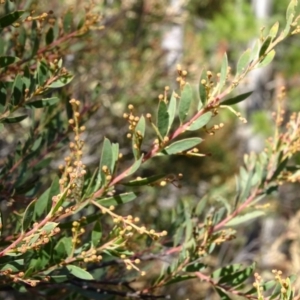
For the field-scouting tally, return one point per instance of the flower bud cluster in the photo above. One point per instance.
(74, 169)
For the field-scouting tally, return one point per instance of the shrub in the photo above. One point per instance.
(63, 234)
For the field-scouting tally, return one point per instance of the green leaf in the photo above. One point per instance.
(28, 216)
(288, 25)
(43, 73)
(79, 273)
(183, 145)
(172, 110)
(236, 278)
(227, 270)
(67, 21)
(141, 126)
(255, 50)
(268, 59)
(49, 36)
(236, 99)
(106, 160)
(179, 278)
(243, 62)
(224, 69)
(144, 181)
(43, 102)
(7, 60)
(202, 90)
(48, 227)
(274, 30)
(61, 82)
(138, 137)
(18, 88)
(34, 38)
(291, 9)
(63, 248)
(43, 204)
(14, 119)
(200, 122)
(134, 167)
(245, 218)
(265, 46)
(96, 234)
(117, 199)
(162, 119)
(222, 294)
(3, 95)
(115, 156)
(185, 102)
(200, 206)
(10, 18)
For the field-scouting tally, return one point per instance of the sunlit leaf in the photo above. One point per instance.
(162, 118)
(243, 62)
(185, 102)
(200, 122)
(183, 145)
(79, 273)
(240, 219)
(172, 110)
(117, 199)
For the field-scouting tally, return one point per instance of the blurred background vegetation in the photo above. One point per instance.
(125, 63)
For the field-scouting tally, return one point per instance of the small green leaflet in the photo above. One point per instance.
(274, 30)
(236, 99)
(245, 218)
(96, 234)
(223, 75)
(43, 102)
(200, 122)
(134, 167)
(202, 89)
(14, 119)
(243, 62)
(7, 60)
(265, 46)
(185, 102)
(162, 119)
(10, 18)
(172, 110)
(79, 273)
(28, 215)
(268, 59)
(181, 146)
(61, 82)
(117, 199)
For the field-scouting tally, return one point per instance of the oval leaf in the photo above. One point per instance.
(245, 218)
(200, 122)
(162, 119)
(10, 18)
(236, 99)
(243, 62)
(117, 199)
(268, 59)
(224, 70)
(79, 273)
(43, 102)
(182, 145)
(7, 60)
(185, 102)
(172, 110)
